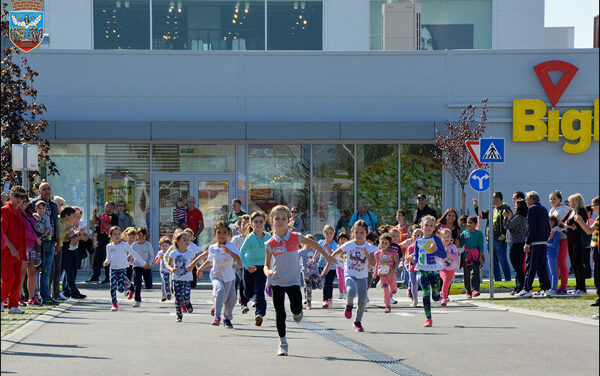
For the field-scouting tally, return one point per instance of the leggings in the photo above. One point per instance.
(552, 271)
(472, 277)
(182, 296)
(517, 257)
(308, 280)
(166, 283)
(413, 285)
(328, 287)
(357, 287)
(563, 269)
(295, 297)
(447, 276)
(118, 281)
(224, 294)
(430, 284)
(341, 279)
(390, 286)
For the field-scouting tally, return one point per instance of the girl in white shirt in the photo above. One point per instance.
(163, 245)
(144, 249)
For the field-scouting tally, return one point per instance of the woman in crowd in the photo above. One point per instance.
(561, 211)
(575, 238)
(515, 238)
(450, 221)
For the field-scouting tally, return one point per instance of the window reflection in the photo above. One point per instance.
(121, 24)
(71, 184)
(295, 25)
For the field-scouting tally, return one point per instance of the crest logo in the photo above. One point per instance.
(26, 24)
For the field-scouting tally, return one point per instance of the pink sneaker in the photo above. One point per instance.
(130, 295)
(216, 321)
(444, 302)
(469, 296)
(476, 293)
(387, 310)
(358, 327)
(348, 312)
(325, 304)
(114, 307)
(428, 323)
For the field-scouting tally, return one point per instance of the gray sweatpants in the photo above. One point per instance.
(357, 287)
(224, 294)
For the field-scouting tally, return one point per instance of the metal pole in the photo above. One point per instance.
(491, 229)
(24, 173)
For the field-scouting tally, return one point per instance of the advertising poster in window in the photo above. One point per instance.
(447, 37)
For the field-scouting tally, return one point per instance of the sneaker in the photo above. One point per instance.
(130, 294)
(428, 323)
(282, 350)
(469, 296)
(444, 302)
(387, 310)
(137, 304)
(22, 303)
(50, 301)
(34, 302)
(92, 279)
(114, 307)
(325, 304)
(539, 292)
(358, 326)
(227, 324)
(179, 319)
(169, 296)
(596, 303)
(258, 320)
(297, 317)
(252, 303)
(392, 300)
(525, 294)
(305, 301)
(414, 303)
(216, 321)
(561, 292)
(163, 299)
(16, 310)
(341, 295)
(596, 317)
(189, 308)
(309, 305)
(348, 311)
(62, 296)
(79, 296)
(476, 293)
(245, 309)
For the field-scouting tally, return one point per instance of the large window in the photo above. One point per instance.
(295, 25)
(279, 174)
(377, 168)
(443, 24)
(420, 173)
(71, 183)
(208, 25)
(121, 24)
(333, 186)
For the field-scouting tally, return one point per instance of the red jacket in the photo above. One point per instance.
(14, 229)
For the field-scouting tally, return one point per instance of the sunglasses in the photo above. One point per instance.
(18, 195)
(294, 211)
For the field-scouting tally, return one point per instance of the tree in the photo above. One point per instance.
(21, 121)
(452, 149)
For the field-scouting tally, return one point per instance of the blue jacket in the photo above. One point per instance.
(554, 245)
(538, 227)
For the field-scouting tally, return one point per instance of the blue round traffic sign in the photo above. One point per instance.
(480, 180)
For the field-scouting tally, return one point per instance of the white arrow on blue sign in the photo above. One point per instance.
(480, 180)
(491, 150)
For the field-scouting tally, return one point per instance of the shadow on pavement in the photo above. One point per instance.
(48, 355)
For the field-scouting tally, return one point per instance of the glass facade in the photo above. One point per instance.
(121, 24)
(193, 158)
(444, 24)
(204, 25)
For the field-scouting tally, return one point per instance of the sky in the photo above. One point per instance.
(578, 13)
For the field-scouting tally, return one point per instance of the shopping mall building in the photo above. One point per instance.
(320, 105)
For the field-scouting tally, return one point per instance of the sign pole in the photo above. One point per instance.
(491, 229)
(24, 173)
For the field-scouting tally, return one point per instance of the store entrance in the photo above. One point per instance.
(212, 192)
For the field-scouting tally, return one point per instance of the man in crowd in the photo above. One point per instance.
(498, 220)
(538, 231)
(366, 215)
(49, 249)
(232, 217)
(422, 209)
(13, 249)
(104, 224)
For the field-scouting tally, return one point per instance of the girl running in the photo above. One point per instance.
(282, 267)
(144, 249)
(409, 263)
(310, 272)
(118, 253)
(222, 255)
(330, 273)
(359, 253)
(450, 263)
(164, 244)
(385, 267)
(429, 257)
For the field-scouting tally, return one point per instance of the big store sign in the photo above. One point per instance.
(529, 115)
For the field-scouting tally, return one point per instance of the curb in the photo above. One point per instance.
(31, 326)
(555, 316)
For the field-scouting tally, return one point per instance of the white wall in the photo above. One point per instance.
(346, 25)
(559, 37)
(69, 24)
(517, 24)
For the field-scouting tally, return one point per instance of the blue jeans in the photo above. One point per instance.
(71, 261)
(254, 285)
(46, 267)
(501, 260)
(552, 270)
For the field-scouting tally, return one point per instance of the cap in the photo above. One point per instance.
(421, 196)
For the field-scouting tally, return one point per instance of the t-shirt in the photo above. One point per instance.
(252, 251)
(428, 258)
(410, 264)
(194, 217)
(193, 247)
(356, 260)
(145, 251)
(179, 215)
(116, 255)
(404, 229)
(305, 256)
(181, 260)
(222, 262)
(451, 262)
(385, 261)
(43, 223)
(163, 267)
(285, 260)
(333, 246)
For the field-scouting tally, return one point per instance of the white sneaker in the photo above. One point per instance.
(341, 295)
(392, 300)
(524, 294)
(414, 302)
(282, 350)
(62, 296)
(137, 304)
(16, 310)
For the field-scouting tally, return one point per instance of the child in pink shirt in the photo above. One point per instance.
(413, 285)
(386, 263)
(450, 263)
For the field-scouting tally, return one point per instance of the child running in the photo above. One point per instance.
(222, 255)
(181, 262)
(140, 269)
(282, 267)
(329, 272)
(359, 253)
(472, 256)
(450, 263)
(164, 244)
(409, 263)
(117, 254)
(428, 255)
(385, 267)
(310, 272)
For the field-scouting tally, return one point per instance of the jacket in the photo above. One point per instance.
(14, 229)
(538, 227)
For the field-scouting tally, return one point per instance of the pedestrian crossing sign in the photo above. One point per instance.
(491, 150)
